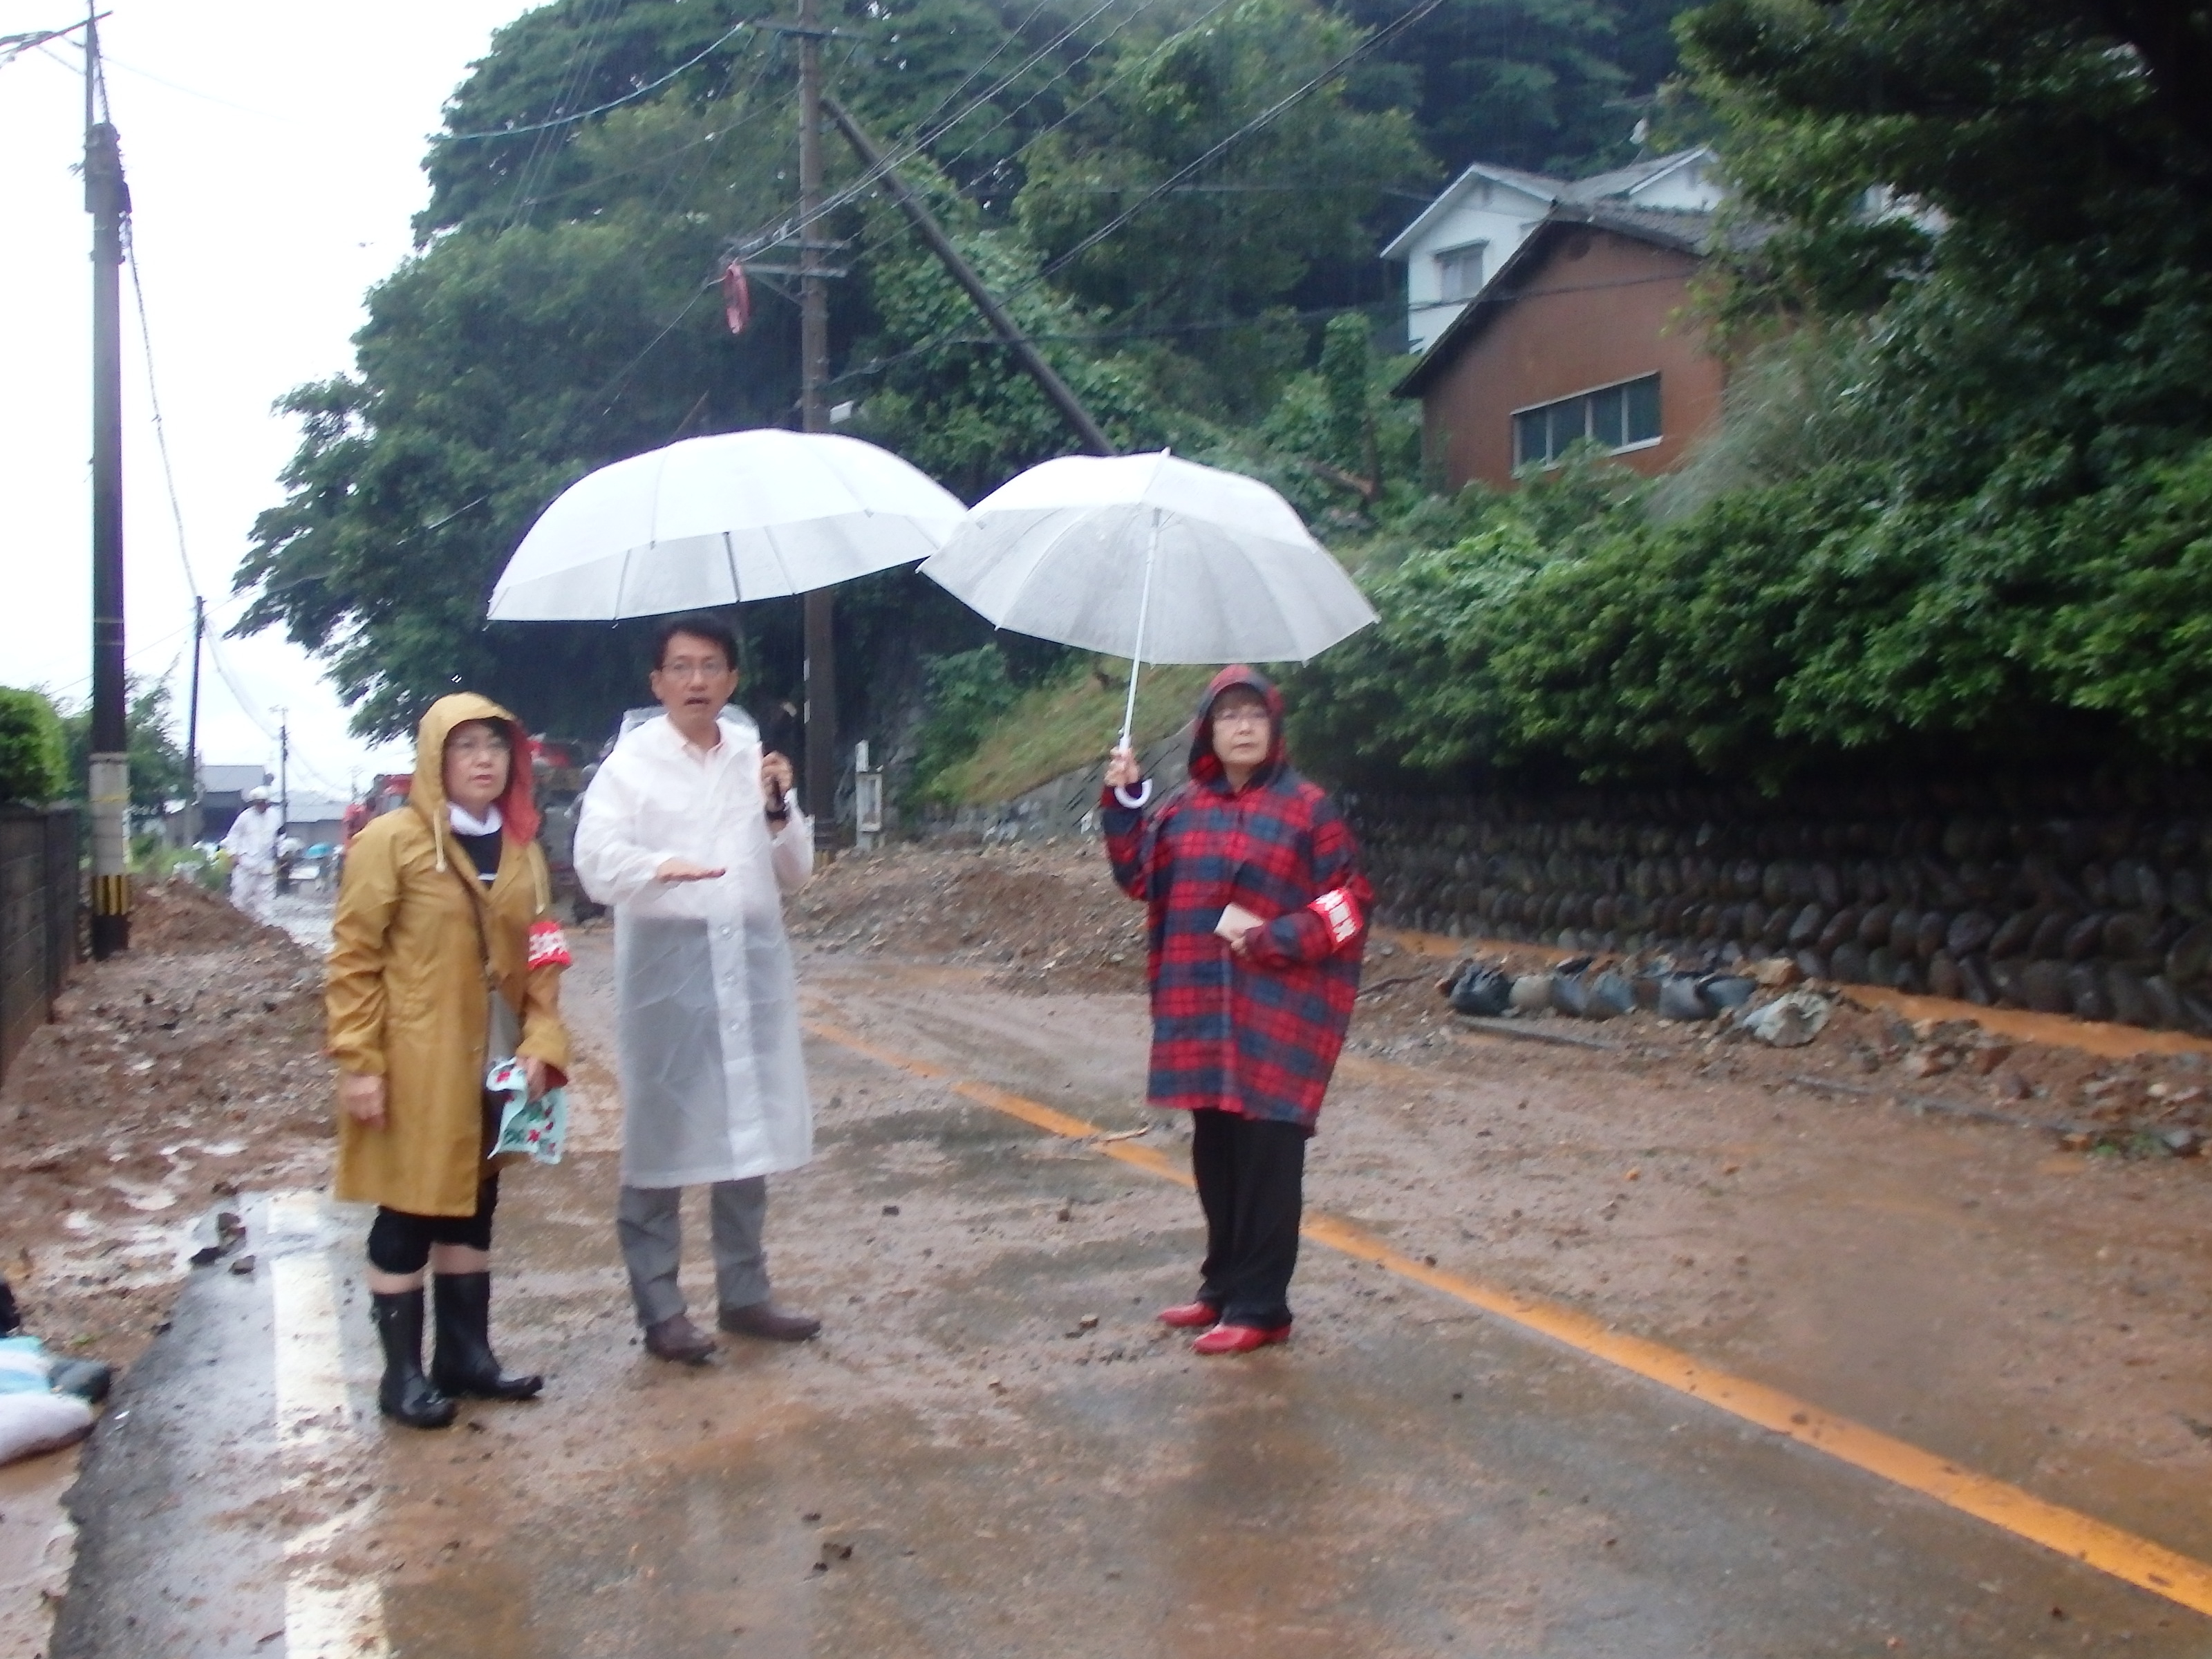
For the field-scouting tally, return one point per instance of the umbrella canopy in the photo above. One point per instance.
(1153, 558)
(716, 521)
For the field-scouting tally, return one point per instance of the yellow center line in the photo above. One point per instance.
(2138, 1561)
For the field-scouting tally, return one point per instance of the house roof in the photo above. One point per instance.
(1678, 229)
(230, 780)
(1620, 182)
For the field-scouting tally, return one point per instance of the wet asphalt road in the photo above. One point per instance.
(992, 1452)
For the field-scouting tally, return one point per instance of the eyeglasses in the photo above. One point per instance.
(1246, 715)
(687, 668)
(480, 745)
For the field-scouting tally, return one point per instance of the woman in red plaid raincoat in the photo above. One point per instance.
(1258, 917)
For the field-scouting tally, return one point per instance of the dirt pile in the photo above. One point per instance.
(173, 1077)
(178, 917)
(1049, 917)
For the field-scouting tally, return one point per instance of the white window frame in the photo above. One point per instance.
(1513, 418)
(1443, 256)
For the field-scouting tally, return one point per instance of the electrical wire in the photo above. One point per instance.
(1214, 152)
(793, 227)
(246, 704)
(1265, 116)
(583, 55)
(600, 109)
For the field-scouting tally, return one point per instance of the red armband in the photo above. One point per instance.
(1339, 912)
(549, 945)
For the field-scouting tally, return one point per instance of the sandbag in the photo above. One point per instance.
(34, 1423)
(1480, 990)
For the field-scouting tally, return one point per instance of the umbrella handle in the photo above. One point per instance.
(1134, 802)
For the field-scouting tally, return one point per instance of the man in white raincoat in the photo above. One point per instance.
(692, 834)
(252, 844)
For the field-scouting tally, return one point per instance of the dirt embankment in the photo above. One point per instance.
(173, 1077)
(1048, 916)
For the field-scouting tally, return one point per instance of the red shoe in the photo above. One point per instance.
(1239, 1338)
(1191, 1317)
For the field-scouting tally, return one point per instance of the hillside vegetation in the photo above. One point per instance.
(1962, 510)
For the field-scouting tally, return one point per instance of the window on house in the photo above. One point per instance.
(1624, 416)
(1459, 272)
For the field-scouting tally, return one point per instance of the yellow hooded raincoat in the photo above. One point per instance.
(405, 995)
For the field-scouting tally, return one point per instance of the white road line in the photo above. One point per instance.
(327, 1616)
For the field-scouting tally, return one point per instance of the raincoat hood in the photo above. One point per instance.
(1206, 766)
(518, 806)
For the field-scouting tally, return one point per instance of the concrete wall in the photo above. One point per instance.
(1603, 308)
(38, 904)
(2089, 897)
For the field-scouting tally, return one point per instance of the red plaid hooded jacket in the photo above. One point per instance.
(1257, 1036)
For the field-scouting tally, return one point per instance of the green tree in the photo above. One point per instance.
(158, 772)
(1248, 230)
(1554, 85)
(34, 755)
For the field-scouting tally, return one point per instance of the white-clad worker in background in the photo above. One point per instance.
(693, 835)
(252, 844)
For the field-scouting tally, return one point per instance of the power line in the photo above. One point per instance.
(1265, 117)
(1173, 181)
(600, 109)
(795, 227)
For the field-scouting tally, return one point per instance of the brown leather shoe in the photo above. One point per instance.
(765, 1318)
(678, 1339)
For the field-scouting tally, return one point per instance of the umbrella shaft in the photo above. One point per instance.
(1144, 613)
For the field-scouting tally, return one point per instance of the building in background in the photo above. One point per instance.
(1586, 332)
(1467, 236)
(222, 795)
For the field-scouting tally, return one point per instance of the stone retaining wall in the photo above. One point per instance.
(2081, 897)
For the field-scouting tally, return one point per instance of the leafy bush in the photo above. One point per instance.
(33, 763)
(968, 690)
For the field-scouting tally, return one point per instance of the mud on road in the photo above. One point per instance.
(994, 1450)
(171, 1079)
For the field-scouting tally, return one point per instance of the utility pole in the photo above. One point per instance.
(107, 199)
(1061, 395)
(283, 768)
(193, 728)
(820, 608)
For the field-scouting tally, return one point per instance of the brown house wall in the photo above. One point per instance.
(1602, 308)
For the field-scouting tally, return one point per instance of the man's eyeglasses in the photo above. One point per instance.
(686, 668)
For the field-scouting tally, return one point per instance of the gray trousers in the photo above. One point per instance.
(649, 1220)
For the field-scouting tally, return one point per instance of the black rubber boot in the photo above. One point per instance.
(465, 1364)
(405, 1394)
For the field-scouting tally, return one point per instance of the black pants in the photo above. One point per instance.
(1251, 1182)
(400, 1243)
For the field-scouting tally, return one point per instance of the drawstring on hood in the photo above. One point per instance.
(517, 806)
(1206, 768)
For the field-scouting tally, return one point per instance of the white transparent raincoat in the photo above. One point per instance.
(713, 1083)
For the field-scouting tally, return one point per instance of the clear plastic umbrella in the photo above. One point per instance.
(1152, 558)
(717, 521)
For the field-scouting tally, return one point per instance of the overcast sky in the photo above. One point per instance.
(273, 149)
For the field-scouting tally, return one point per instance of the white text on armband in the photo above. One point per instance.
(1339, 912)
(549, 945)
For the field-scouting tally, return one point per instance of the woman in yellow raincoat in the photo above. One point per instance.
(444, 959)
